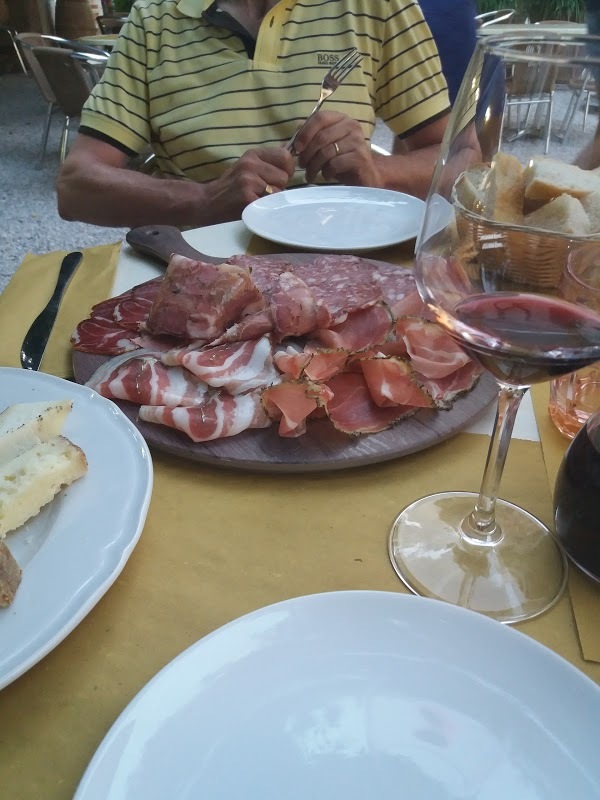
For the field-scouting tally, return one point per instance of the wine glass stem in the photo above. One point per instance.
(480, 525)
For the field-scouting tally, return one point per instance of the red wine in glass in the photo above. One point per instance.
(576, 505)
(525, 338)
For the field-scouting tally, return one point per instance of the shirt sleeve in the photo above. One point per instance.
(118, 105)
(411, 89)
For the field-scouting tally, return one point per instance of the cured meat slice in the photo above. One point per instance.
(175, 355)
(200, 301)
(445, 390)
(293, 306)
(132, 312)
(251, 326)
(291, 402)
(392, 382)
(340, 284)
(221, 415)
(105, 309)
(398, 288)
(291, 360)
(148, 290)
(101, 336)
(362, 329)
(353, 410)
(432, 351)
(325, 364)
(147, 381)
(236, 367)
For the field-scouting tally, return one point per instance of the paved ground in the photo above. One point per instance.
(30, 222)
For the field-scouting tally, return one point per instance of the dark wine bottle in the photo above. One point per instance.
(577, 499)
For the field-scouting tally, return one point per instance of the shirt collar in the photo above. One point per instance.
(193, 8)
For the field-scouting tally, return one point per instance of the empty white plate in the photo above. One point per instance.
(336, 218)
(356, 695)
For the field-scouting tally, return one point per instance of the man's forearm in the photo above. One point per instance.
(105, 195)
(409, 171)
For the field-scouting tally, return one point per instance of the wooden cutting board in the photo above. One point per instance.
(321, 447)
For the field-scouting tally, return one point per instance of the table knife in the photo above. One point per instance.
(36, 338)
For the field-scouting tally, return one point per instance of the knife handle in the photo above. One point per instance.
(67, 269)
(162, 241)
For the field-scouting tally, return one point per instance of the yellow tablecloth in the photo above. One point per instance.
(218, 544)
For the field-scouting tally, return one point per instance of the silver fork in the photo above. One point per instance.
(329, 84)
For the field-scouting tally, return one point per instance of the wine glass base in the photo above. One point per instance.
(518, 578)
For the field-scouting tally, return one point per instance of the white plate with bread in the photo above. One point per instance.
(75, 485)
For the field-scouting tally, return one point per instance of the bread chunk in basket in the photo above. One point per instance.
(36, 462)
(526, 219)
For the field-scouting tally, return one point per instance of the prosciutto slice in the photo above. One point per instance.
(236, 367)
(432, 351)
(353, 410)
(392, 382)
(291, 402)
(200, 301)
(219, 416)
(362, 329)
(146, 381)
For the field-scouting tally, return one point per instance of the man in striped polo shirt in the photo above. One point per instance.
(216, 87)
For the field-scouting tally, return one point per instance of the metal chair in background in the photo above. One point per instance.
(71, 77)
(109, 24)
(494, 17)
(12, 35)
(89, 59)
(521, 95)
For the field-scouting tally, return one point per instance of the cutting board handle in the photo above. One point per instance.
(161, 241)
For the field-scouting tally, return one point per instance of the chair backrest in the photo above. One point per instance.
(27, 41)
(68, 77)
(493, 17)
(109, 24)
(71, 44)
(538, 78)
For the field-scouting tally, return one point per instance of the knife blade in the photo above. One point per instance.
(36, 338)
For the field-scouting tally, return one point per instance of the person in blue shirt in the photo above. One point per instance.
(454, 29)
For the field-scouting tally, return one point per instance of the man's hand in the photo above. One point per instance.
(256, 172)
(334, 145)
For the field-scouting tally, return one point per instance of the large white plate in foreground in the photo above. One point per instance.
(336, 218)
(73, 551)
(357, 695)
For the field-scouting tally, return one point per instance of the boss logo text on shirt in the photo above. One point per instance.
(327, 59)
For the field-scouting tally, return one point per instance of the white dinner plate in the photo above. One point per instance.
(356, 695)
(336, 218)
(73, 551)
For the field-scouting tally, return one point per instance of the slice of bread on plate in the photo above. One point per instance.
(504, 190)
(24, 425)
(33, 478)
(565, 214)
(547, 178)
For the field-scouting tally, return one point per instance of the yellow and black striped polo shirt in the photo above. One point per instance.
(189, 86)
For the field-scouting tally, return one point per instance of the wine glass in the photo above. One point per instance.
(488, 274)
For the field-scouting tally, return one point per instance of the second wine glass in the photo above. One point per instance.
(500, 222)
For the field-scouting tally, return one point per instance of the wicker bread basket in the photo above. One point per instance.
(520, 255)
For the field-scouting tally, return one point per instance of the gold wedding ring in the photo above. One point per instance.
(268, 189)
(337, 149)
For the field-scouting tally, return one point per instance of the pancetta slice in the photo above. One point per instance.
(200, 301)
(220, 415)
(147, 381)
(236, 367)
(102, 336)
(291, 402)
(433, 352)
(362, 329)
(250, 326)
(392, 382)
(353, 410)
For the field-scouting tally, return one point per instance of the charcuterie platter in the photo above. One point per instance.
(322, 446)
